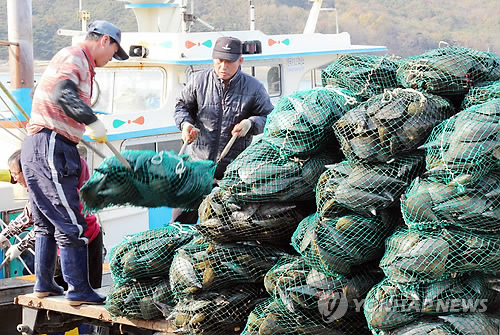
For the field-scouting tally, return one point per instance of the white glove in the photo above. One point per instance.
(4, 242)
(189, 132)
(242, 128)
(97, 131)
(13, 252)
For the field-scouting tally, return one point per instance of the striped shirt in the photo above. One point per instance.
(69, 63)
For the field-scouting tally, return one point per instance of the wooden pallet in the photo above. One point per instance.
(59, 304)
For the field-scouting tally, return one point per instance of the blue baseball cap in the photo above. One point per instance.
(105, 28)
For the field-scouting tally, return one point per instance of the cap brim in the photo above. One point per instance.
(120, 54)
(226, 56)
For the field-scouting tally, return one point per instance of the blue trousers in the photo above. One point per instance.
(51, 168)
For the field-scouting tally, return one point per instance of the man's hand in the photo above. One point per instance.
(4, 242)
(13, 252)
(189, 132)
(97, 131)
(242, 128)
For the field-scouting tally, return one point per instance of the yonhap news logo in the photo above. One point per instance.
(332, 305)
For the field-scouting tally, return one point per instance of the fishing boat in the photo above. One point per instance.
(135, 98)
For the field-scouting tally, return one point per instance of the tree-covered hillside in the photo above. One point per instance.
(407, 27)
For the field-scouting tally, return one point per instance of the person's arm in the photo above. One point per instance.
(262, 108)
(20, 223)
(66, 96)
(28, 241)
(186, 106)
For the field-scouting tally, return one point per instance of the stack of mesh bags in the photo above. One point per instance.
(269, 188)
(155, 179)
(449, 72)
(285, 164)
(440, 263)
(140, 267)
(382, 140)
(216, 285)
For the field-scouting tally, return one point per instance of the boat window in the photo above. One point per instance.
(167, 142)
(268, 75)
(128, 90)
(311, 79)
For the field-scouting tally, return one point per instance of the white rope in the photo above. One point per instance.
(368, 79)
(348, 99)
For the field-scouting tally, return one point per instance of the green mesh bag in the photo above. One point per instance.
(272, 318)
(390, 124)
(300, 124)
(201, 265)
(147, 254)
(424, 256)
(261, 174)
(389, 306)
(448, 71)
(365, 188)
(481, 93)
(464, 148)
(428, 203)
(296, 285)
(453, 324)
(215, 312)
(364, 75)
(223, 219)
(334, 245)
(138, 299)
(154, 180)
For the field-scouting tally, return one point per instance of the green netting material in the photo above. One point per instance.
(215, 313)
(260, 174)
(300, 124)
(201, 265)
(155, 180)
(465, 147)
(390, 124)
(390, 306)
(334, 245)
(272, 318)
(364, 75)
(453, 324)
(481, 93)
(430, 203)
(296, 285)
(147, 254)
(365, 188)
(223, 219)
(424, 256)
(448, 71)
(138, 299)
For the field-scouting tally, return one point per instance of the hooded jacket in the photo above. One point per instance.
(215, 108)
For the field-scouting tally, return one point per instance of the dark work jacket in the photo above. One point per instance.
(215, 109)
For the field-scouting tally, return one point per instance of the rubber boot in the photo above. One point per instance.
(45, 267)
(75, 271)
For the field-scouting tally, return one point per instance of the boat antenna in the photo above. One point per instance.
(83, 16)
(190, 19)
(252, 15)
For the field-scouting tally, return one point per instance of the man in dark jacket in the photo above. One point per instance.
(220, 102)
